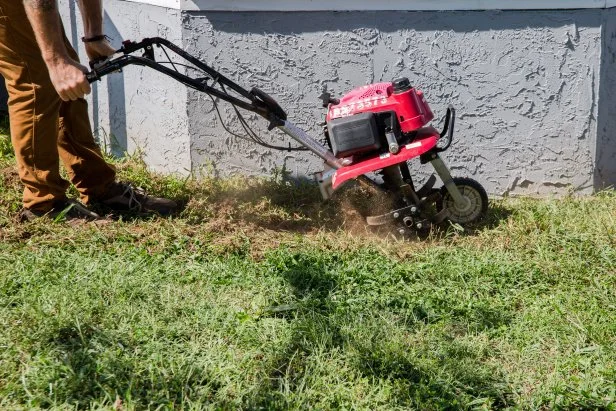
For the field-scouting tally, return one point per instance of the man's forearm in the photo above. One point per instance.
(92, 15)
(45, 20)
(66, 75)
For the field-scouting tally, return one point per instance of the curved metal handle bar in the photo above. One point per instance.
(117, 64)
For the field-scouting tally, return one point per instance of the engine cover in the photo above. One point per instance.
(408, 103)
(354, 135)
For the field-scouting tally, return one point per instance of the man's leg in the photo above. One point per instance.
(33, 110)
(43, 129)
(82, 157)
(92, 176)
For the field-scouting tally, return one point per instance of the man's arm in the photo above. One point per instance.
(92, 16)
(67, 76)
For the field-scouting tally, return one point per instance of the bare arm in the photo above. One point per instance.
(45, 20)
(92, 16)
(67, 76)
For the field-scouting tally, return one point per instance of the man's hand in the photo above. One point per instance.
(97, 50)
(68, 78)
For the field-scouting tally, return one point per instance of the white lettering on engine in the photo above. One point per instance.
(345, 111)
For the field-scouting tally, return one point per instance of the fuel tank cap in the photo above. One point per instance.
(401, 85)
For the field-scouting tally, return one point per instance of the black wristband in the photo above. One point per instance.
(95, 38)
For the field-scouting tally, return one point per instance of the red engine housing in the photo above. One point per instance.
(410, 105)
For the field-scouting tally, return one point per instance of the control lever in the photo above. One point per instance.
(327, 99)
(96, 64)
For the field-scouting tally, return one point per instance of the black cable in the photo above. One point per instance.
(178, 64)
(223, 123)
(252, 136)
(169, 58)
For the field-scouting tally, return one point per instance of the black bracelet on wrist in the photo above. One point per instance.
(95, 38)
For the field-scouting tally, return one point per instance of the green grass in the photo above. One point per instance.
(258, 296)
(5, 141)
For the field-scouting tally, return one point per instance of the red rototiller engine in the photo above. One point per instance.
(371, 133)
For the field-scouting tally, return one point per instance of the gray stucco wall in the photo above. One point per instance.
(605, 170)
(532, 94)
(525, 84)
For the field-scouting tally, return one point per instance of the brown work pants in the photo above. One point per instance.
(45, 129)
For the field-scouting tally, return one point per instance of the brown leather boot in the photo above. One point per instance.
(126, 197)
(68, 210)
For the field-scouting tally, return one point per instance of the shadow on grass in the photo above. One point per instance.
(98, 369)
(496, 214)
(338, 340)
(423, 372)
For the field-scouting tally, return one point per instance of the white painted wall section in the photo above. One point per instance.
(357, 5)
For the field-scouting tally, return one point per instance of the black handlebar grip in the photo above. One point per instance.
(92, 76)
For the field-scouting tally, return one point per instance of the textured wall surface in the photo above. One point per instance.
(138, 109)
(605, 172)
(526, 84)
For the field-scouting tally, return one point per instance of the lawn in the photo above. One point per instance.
(259, 296)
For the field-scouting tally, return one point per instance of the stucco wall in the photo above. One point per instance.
(525, 84)
(605, 170)
(138, 109)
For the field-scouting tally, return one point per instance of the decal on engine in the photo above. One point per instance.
(413, 145)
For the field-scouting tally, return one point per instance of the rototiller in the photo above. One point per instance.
(370, 135)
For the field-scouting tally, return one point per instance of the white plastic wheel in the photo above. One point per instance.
(475, 206)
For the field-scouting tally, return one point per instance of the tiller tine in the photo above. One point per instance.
(392, 216)
(414, 216)
(440, 217)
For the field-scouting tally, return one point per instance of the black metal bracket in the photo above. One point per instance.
(448, 129)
